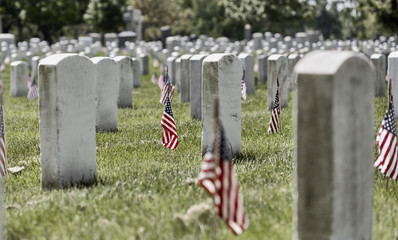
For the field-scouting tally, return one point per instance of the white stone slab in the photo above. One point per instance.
(18, 79)
(107, 91)
(334, 155)
(277, 69)
(221, 76)
(248, 61)
(195, 76)
(136, 73)
(184, 78)
(67, 121)
(379, 61)
(125, 72)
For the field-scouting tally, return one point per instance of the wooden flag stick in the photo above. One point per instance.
(389, 108)
(279, 93)
(216, 154)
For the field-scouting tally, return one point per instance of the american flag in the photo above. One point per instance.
(274, 121)
(167, 93)
(243, 85)
(3, 153)
(219, 180)
(386, 139)
(169, 136)
(33, 90)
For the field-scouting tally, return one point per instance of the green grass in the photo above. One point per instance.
(142, 187)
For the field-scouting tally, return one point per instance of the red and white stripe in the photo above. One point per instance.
(3, 157)
(169, 136)
(386, 162)
(274, 121)
(166, 93)
(221, 182)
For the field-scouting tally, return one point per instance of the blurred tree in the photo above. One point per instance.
(13, 15)
(157, 13)
(328, 21)
(105, 15)
(386, 12)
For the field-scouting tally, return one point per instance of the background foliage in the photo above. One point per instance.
(50, 19)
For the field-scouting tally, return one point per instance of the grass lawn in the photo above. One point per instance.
(142, 188)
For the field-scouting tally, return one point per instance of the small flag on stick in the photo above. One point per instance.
(154, 78)
(218, 178)
(275, 115)
(387, 161)
(3, 152)
(169, 136)
(33, 90)
(243, 86)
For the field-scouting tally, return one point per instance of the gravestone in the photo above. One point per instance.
(125, 70)
(145, 63)
(18, 79)
(178, 74)
(172, 69)
(292, 59)
(184, 77)
(248, 32)
(195, 76)
(110, 37)
(262, 69)
(107, 91)
(67, 121)
(165, 32)
(35, 64)
(393, 75)
(248, 62)
(221, 77)
(379, 61)
(124, 37)
(258, 38)
(277, 69)
(334, 155)
(136, 73)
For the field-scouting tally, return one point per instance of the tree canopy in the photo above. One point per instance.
(50, 19)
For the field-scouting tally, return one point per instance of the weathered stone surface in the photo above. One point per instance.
(18, 79)
(145, 63)
(379, 61)
(195, 76)
(136, 73)
(107, 91)
(125, 72)
(262, 69)
(178, 74)
(292, 59)
(221, 77)
(277, 69)
(334, 172)
(67, 121)
(393, 75)
(184, 78)
(248, 61)
(172, 69)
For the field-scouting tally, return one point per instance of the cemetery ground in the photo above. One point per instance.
(143, 189)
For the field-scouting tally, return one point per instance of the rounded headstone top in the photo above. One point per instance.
(186, 56)
(57, 58)
(275, 57)
(393, 55)
(97, 60)
(326, 62)
(15, 63)
(198, 57)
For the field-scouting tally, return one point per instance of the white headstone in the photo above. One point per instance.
(178, 74)
(221, 76)
(107, 91)
(145, 63)
(248, 61)
(334, 147)
(125, 70)
(292, 59)
(277, 69)
(67, 121)
(136, 73)
(262, 69)
(172, 69)
(393, 75)
(195, 76)
(18, 79)
(184, 77)
(379, 61)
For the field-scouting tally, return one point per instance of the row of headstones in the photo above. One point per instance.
(334, 180)
(334, 111)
